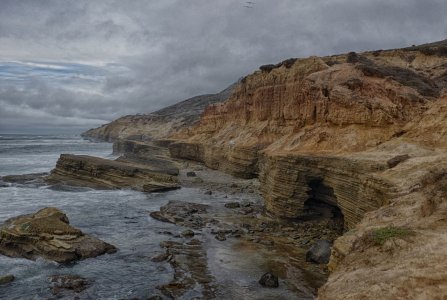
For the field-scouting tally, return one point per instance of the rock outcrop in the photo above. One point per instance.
(94, 172)
(158, 124)
(48, 234)
(360, 138)
(313, 128)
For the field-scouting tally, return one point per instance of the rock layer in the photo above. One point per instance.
(48, 234)
(362, 133)
(83, 170)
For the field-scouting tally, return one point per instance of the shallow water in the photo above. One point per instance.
(119, 217)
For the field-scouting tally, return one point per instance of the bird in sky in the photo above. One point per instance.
(249, 4)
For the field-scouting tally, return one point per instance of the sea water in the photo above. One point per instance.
(119, 217)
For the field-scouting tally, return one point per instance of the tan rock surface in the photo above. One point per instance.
(48, 234)
(365, 133)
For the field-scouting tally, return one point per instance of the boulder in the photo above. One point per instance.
(48, 234)
(187, 233)
(320, 252)
(6, 279)
(232, 205)
(269, 280)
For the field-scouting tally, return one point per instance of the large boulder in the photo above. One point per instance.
(320, 252)
(48, 234)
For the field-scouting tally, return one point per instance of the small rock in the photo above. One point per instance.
(245, 203)
(160, 257)
(397, 160)
(232, 205)
(194, 242)
(6, 279)
(233, 185)
(208, 193)
(246, 210)
(266, 242)
(191, 174)
(269, 280)
(155, 298)
(187, 233)
(68, 282)
(220, 237)
(320, 252)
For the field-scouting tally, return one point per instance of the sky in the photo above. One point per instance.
(67, 66)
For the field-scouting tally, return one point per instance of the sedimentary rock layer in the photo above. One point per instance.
(288, 181)
(83, 170)
(48, 234)
(305, 119)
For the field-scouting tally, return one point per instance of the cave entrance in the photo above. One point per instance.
(322, 204)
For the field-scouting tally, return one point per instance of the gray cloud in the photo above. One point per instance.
(139, 56)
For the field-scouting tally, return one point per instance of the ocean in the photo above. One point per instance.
(119, 217)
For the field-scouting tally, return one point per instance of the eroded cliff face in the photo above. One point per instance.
(158, 124)
(361, 138)
(314, 119)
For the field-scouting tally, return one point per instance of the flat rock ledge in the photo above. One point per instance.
(100, 173)
(48, 234)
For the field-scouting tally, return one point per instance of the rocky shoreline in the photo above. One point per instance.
(203, 229)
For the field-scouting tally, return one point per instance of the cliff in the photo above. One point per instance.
(158, 124)
(360, 138)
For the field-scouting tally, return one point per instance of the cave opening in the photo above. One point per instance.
(322, 204)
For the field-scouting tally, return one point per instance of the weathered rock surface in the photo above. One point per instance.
(403, 267)
(25, 178)
(150, 154)
(189, 262)
(320, 252)
(6, 279)
(48, 234)
(345, 136)
(61, 284)
(269, 280)
(94, 172)
(182, 213)
(158, 124)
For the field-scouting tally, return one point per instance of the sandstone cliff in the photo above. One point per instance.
(314, 121)
(358, 137)
(158, 124)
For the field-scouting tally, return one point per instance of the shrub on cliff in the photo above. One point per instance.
(381, 235)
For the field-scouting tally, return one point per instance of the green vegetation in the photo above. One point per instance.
(381, 235)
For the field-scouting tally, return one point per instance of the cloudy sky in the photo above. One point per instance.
(66, 66)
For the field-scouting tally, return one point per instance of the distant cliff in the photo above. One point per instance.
(158, 124)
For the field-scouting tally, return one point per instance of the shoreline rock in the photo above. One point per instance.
(6, 279)
(99, 173)
(48, 234)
